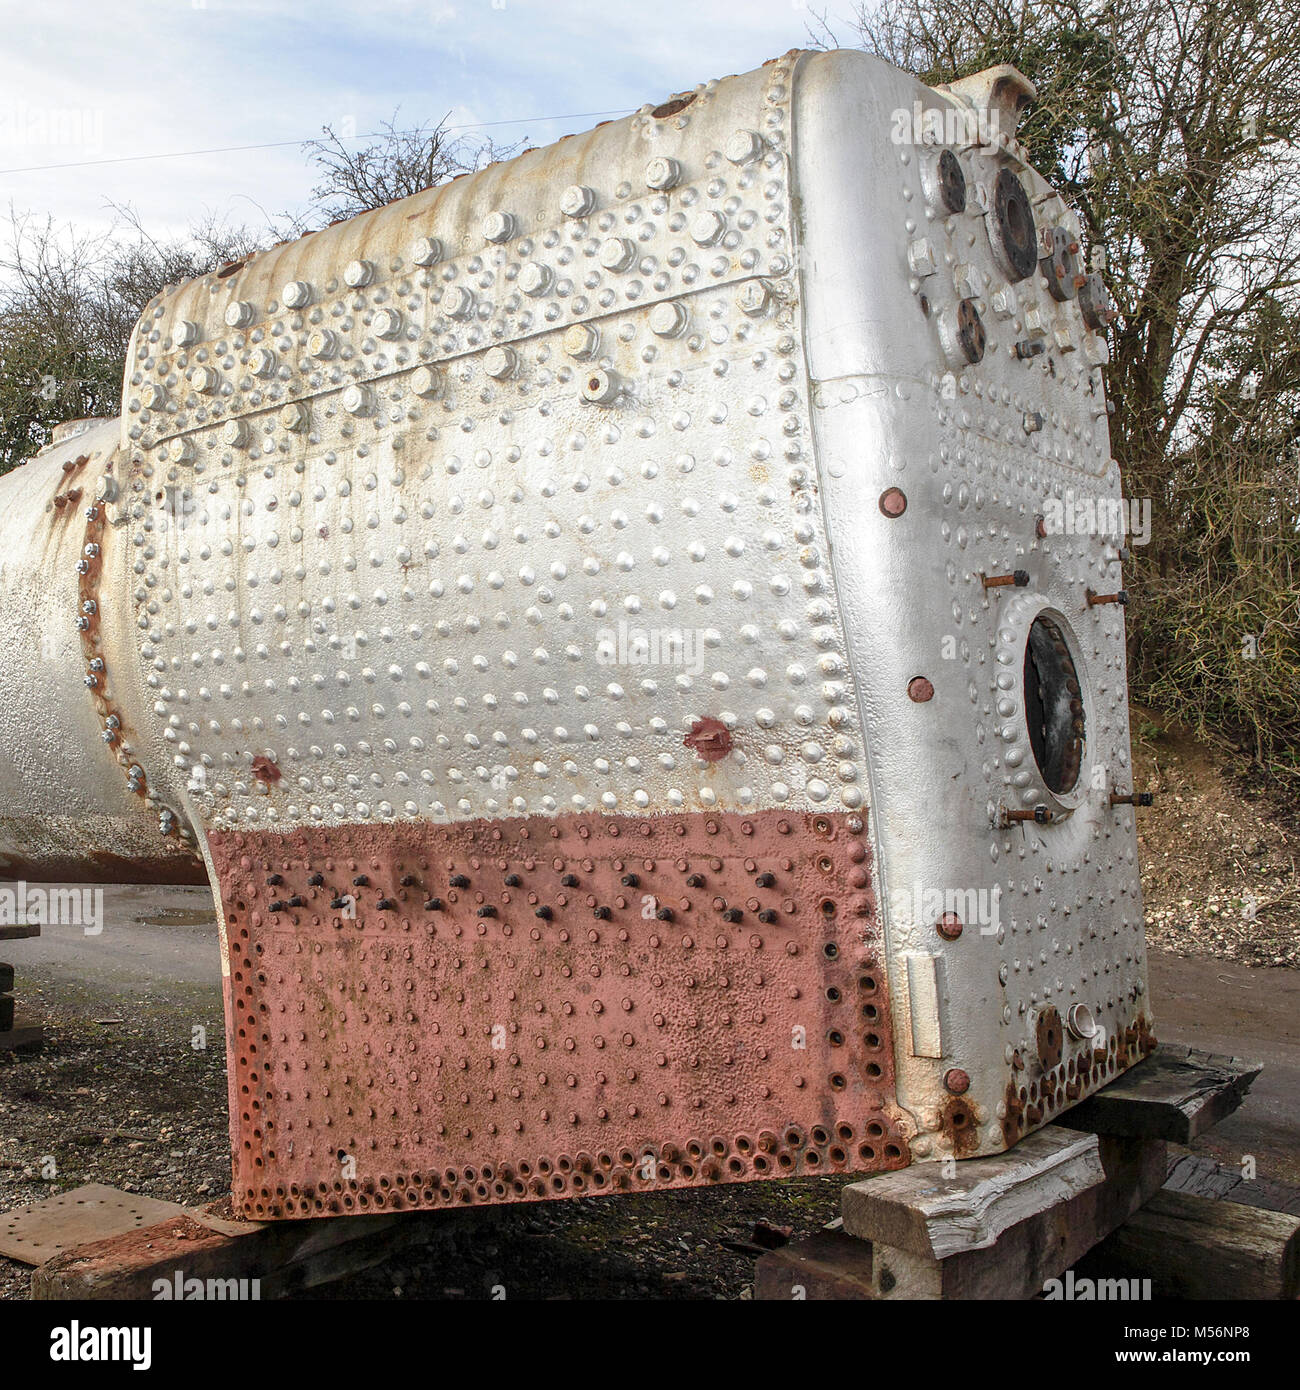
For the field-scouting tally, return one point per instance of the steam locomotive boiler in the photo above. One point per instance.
(605, 628)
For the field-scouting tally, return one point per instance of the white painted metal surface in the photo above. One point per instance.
(472, 506)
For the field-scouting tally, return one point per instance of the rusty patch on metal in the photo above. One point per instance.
(496, 1011)
(265, 770)
(960, 1127)
(710, 738)
(1049, 1037)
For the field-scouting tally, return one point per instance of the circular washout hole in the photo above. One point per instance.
(1053, 706)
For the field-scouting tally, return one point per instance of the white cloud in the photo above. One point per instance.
(89, 81)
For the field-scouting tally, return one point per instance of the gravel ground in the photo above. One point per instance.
(1218, 861)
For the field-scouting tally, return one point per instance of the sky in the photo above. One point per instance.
(83, 82)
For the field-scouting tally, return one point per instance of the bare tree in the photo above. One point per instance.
(1172, 129)
(395, 164)
(68, 304)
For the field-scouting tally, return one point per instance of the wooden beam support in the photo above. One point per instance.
(1177, 1093)
(1203, 1248)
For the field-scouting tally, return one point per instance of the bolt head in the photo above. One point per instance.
(426, 381)
(296, 294)
(295, 417)
(617, 253)
(743, 146)
(498, 227)
(500, 362)
(427, 250)
(577, 200)
(663, 173)
(323, 344)
(582, 341)
(535, 278)
(240, 314)
(387, 323)
(359, 273)
(707, 228)
(669, 318)
(753, 298)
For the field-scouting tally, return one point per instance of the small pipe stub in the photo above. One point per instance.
(1040, 815)
(1131, 798)
(1095, 600)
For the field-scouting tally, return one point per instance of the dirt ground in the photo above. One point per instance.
(129, 1089)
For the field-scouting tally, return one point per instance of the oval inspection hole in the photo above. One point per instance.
(1053, 706)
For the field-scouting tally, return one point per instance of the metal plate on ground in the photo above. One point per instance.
(38, 1232)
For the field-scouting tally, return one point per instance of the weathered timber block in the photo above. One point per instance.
(919, 1210)
(1055, 1226)
(1176, 1094)
(827, 1266)
(18, 931)
(283, 1256)
(41, 1230)
(1204, 1248)
(6, 978)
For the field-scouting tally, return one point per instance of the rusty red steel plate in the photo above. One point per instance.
(512, 1010)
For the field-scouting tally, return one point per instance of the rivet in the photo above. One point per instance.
(920, 689)
(949, 926)
(956, 1081)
